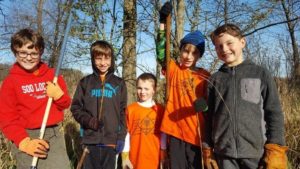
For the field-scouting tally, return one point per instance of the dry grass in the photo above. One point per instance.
(6, 158)
(290, 102)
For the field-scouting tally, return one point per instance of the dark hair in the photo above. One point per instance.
(229, 28)
(102, 47)
(148, 76)
(25, 36)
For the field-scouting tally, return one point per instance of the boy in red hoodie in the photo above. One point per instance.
(23, 99)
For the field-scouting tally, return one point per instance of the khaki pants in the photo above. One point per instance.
(57, 156)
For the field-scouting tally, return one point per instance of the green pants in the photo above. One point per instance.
(57, 156)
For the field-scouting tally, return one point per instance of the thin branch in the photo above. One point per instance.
(270, 25)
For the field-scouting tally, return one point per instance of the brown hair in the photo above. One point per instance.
(148, 76)
(25, 36)
(228, 28)
(102, 47)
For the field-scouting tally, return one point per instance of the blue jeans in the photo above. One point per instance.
(100, 157)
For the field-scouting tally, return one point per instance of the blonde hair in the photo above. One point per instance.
(148, 76)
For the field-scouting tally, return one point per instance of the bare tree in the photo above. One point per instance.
(40, 16)
(194, 17)
(288, 8)
(63, 11)
(179, 14)
(129, 47)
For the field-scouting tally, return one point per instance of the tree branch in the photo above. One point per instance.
(270, 25)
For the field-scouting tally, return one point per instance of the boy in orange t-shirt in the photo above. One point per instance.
(186, 84)
(145, 145)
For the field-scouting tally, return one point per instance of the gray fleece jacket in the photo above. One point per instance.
(244, 111)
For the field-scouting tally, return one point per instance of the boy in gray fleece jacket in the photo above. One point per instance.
(245, 121)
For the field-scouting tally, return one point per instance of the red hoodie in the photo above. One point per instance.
(23, 101)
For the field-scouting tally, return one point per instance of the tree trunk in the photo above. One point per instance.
(295, 55)
(195, 19)
(129, 48)
(60, 27)
(40, 16)
(55, 45)
(179, 23)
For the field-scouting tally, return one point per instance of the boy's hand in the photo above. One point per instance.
(34, 147)
(94, 123)
(275, 156)
(53, 90)
(165, 10)
(126, 163)
(120, 145)
(209, 159)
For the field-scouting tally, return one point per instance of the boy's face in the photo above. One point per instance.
(189, 55)
(145, 90)
(28, 58)
(230, 49)
(103, 63)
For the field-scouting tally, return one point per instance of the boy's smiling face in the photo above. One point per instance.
(229, 49)
(145, 90)
(103, 63)
(28, 57)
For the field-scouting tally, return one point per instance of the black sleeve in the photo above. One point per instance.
(123, 104)
(208, 116)
(77, 106)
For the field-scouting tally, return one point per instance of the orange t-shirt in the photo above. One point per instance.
(185, 86)
(143, 126)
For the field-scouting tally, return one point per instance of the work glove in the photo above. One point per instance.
(275, 156)
(34, 147)
(53, 90)
(165, 10)
(120, 145)
(209, 159)
(91, 123)
(126, 163)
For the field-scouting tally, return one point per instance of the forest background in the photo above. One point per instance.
(271, 28)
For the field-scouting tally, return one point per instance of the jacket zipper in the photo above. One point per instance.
(235, 113)
(101, 101)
